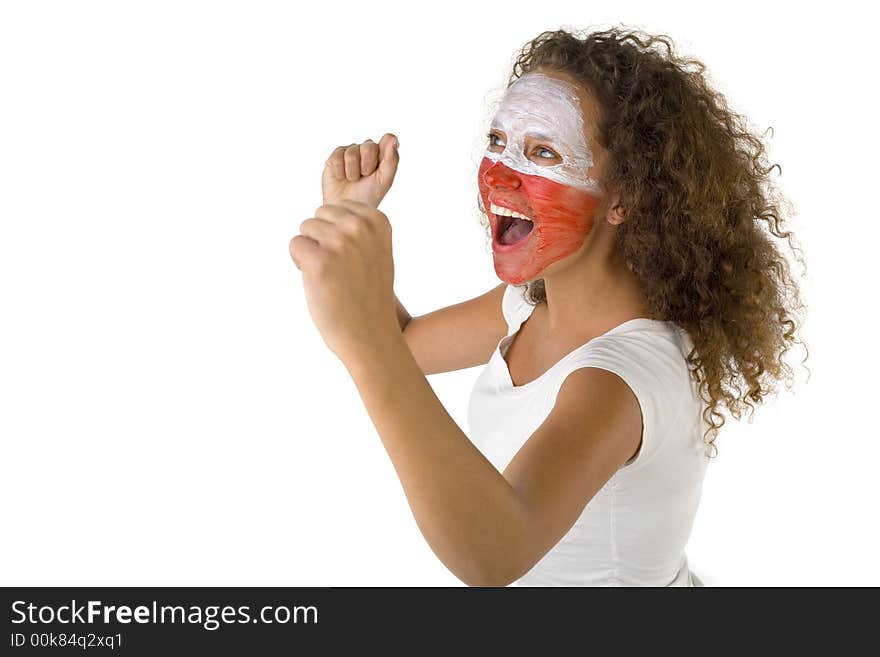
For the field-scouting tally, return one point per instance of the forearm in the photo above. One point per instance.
(467, 511)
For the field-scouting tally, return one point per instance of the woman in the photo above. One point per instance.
(643, 290)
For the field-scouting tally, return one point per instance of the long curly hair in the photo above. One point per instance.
(704, 222)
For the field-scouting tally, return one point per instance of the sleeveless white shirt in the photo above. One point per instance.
(633, 532)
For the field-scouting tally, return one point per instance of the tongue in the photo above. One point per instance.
(516, 231)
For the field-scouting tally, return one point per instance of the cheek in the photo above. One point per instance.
(560, 209)
(563, 214)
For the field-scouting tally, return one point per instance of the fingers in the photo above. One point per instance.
(354, 219)
(345, 162)
(369, 157)
(361, 160)
(345, 210)
(350, 218)
(337, 163)
(352, 157)
(353, 161)
(357, 207)
(320, 230)
(348, 222)
(303, 250)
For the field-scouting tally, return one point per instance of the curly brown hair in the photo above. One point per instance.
(704, 223)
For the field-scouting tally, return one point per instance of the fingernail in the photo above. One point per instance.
(396, 144)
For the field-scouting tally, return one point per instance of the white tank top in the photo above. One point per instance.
(633, 532)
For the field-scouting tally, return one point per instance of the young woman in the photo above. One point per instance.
(643, 290)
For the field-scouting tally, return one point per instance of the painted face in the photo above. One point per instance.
(534, 179)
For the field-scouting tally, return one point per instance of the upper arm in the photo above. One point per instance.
(593, 429)
(458, 336)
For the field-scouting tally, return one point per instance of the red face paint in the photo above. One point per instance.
(563, 216)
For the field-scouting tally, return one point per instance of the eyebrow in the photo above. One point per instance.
(540, 137)
(536, 135)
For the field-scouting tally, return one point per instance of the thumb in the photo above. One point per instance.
(388, 158)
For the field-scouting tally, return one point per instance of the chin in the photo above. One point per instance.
(514, 278)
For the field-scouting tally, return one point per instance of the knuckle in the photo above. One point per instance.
(357, 227)
(351, 223)
(334, 242)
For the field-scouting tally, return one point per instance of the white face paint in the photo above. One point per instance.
(546, 109)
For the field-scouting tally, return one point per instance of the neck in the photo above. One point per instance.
(594, 293)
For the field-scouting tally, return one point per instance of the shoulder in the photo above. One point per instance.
(651, 350)
(649, 359)
(599, 403)
(595, 424)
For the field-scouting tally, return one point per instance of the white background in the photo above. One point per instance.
(169, 414)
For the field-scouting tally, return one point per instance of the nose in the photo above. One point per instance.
(499, 175)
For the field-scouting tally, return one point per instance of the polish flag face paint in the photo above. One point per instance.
(561, 216)
(539, 116)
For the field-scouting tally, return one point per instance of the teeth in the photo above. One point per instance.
(498, 210)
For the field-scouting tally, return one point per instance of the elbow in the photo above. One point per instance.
(489, 580)
(508, 558)
(485, 581)
(492, 582)
(481, 581)
(498, 573)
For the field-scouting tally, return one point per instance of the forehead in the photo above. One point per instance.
(546, 106)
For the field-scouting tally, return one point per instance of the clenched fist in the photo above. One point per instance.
(345, 256)
(361, 172)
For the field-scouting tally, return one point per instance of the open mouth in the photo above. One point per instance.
(511, 226)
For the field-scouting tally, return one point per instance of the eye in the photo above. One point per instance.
(551, 155)
(492, 137)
